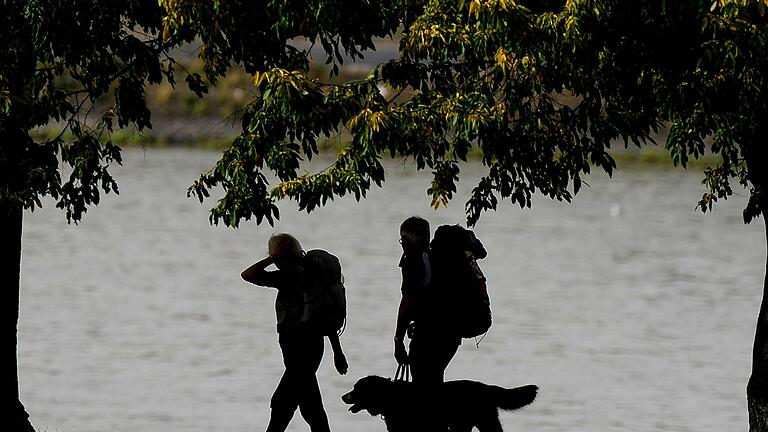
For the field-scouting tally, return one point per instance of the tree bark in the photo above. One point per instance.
(757, 389)
(11, 216)
(756, 155)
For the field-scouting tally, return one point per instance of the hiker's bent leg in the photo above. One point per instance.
(444, 354)
(311, 401)
(422, 361)
(430, 356)
(284, 401)
(311, 407)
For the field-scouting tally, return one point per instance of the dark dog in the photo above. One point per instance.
(457, 406)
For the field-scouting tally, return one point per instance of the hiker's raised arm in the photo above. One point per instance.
(253, 273)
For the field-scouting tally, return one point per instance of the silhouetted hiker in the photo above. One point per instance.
(302, 347)
(433, 344)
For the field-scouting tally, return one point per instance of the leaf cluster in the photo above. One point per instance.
(541, 89)
(480, 74)
(83, 64)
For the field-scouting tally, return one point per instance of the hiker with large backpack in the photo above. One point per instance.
(309, 306)
(432, 344)
(444, 298)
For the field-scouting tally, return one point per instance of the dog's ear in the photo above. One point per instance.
(366, 395)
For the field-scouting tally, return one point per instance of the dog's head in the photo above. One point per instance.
(369, 393)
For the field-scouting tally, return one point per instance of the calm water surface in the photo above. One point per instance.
(630, 309)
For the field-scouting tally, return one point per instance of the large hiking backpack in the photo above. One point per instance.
(325, 303)
(458, 280)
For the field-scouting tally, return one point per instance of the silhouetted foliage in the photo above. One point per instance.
(542, 93)
(542, 89)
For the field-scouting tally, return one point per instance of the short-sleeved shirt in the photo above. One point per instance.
(417, 282)
(417, 273)
(289, 305)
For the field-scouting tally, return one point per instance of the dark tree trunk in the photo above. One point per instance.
(10, 268)
(756, 155)
(757, 389)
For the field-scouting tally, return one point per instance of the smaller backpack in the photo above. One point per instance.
(325, 303)
(454, 252)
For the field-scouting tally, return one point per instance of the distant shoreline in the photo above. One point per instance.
(215, 135)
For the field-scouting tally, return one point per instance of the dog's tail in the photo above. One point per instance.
(511, 399)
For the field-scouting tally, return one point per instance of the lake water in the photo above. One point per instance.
(629, 308)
